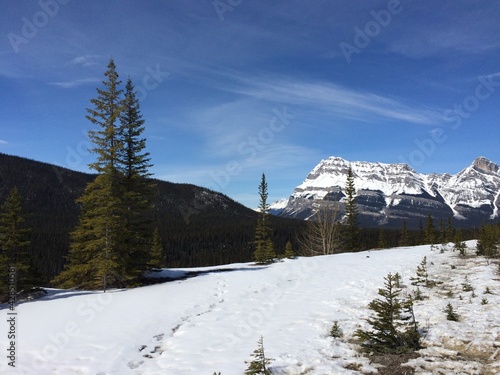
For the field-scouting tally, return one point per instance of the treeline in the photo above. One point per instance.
(197, 226)
(335, 228)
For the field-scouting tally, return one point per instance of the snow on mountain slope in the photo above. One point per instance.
(387, 178)
(388, 192)
(277, 207)
(212, 322)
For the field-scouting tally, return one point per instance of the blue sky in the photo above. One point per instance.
(231, 89)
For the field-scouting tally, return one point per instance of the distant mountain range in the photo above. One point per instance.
(387, 194)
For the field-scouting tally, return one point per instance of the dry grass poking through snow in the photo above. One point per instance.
(470, 346)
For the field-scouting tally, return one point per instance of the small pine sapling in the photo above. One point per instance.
(397, 280)
(459, 244)
(422, 274)
(466, 286)
(336, 331)
(394, 328)
(259, 365)
(450, 313)
(418, 296)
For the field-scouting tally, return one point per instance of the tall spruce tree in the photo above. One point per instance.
(109, 245)
(264, 248)
(156, 258)
(382, 239)
(442, 232)
(421, 233)
(105, 114)
(450, 232)
(14, 244)
(404, 236)
(137, 190)
(430, 235)
(351, 226)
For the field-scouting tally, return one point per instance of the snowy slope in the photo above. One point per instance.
(212, 322)
(278, 206)
(395, 191)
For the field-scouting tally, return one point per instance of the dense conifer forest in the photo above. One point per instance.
(197, 226)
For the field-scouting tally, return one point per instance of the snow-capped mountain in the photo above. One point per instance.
(277, 207)
(388, 193)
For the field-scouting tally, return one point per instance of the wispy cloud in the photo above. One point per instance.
(492, 75)
(86, 60)
(325, 96)
(2, 142)
(74, 83)
(427, 43)
(335, 99)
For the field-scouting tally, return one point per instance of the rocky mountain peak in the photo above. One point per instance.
(481, 164)
(390, 193)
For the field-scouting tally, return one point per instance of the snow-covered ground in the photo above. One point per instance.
(212, 322)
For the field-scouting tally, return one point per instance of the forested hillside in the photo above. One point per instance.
(197, 226)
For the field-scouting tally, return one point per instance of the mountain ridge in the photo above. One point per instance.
(390, 193)
(197, 226)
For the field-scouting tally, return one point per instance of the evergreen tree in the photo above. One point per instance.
(351, 226)
(137, 193)
(422, 274)
(450, 231)
(106, 113)
(450, 313)
(14, 244)
(404, 236)
(156, 258)
(289, 253)
(264, 248)
(442, 232)
(382, 241)
(336, 331)
(459, 243)
(394, 328)
(429, 236)
(421, 233)
(259, 365)
(94, 259)
(489, 240)
(110, 244)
